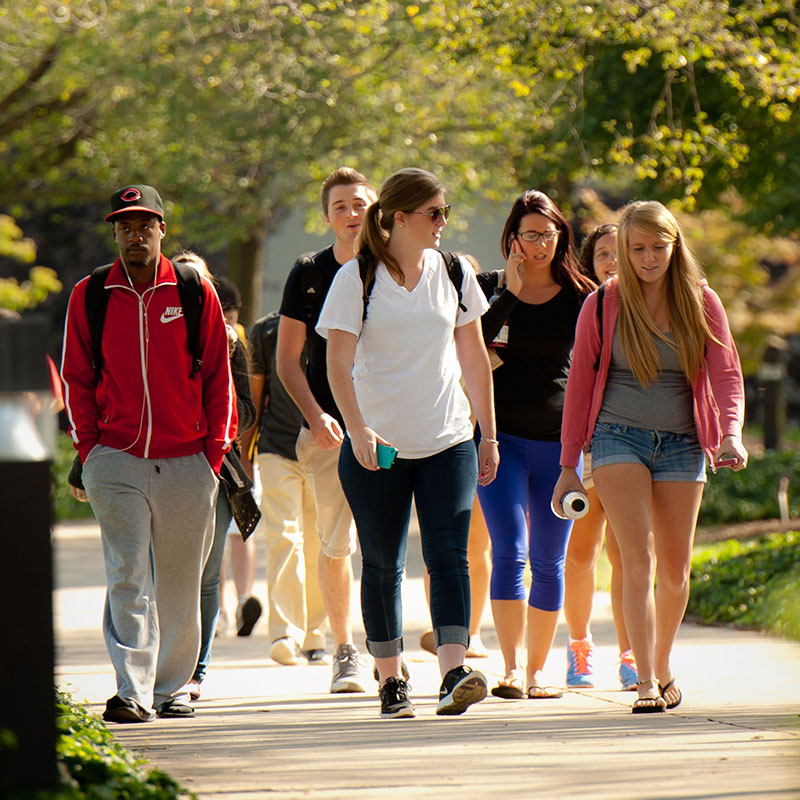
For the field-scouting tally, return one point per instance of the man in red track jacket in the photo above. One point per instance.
(151, 438)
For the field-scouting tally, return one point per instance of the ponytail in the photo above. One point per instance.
(373, 244)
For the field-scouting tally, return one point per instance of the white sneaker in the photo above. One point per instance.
(348, 670)
(286, 651)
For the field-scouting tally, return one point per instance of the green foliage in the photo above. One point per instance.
(65, 506)
(237, 109)
(98, 767)
(41, 281)
(752, 493)
(754, 584)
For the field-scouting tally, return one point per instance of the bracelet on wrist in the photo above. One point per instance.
(487, 439)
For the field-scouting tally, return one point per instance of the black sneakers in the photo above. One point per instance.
(247, 615)
(394, 700)
(462, 686)
(121, 710)
(175, 709)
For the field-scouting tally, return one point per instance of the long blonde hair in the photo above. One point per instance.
(687, 318)
(404, 190)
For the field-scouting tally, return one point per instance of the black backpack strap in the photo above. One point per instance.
(600, 294)
(456, 273)
(363, 269)
(310, 285)
(190, 291)
(96, 304)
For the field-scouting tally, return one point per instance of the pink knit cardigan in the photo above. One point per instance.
(717, 388)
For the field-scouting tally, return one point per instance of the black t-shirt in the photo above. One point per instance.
(294, 305)
(280, 422)
(529, 385)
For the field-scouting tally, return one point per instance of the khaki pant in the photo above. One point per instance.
(335, 526)
(296, 608)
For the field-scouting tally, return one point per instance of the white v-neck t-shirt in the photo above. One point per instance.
(406, 372)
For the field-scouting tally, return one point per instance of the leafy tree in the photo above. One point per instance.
(41, 280)
(237, 109)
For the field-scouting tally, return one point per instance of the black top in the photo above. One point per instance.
(280, 422)
(294, 305)
(529, 385)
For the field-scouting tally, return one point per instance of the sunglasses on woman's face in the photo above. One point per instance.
(437, 214)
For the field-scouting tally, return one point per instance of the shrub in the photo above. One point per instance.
(752, 493)
(94, 766)
(754, 584)
(65, 506)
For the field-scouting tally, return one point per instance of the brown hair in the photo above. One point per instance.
(405, 190)
(344, 176)
(586, 254)
(564, 268)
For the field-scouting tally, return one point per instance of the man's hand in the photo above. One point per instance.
(79, 494)
(327, 432)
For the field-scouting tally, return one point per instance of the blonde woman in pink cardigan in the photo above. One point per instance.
(656, 393)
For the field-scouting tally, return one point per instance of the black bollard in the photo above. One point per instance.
(27, 428)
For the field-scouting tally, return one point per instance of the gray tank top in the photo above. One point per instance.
(664, 405)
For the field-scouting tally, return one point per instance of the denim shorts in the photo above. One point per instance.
(668, 456)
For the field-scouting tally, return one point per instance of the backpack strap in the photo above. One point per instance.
(190, 291)
(451, 261)
(310, 285)
(599, 309)
(96, 304)
(456, 272)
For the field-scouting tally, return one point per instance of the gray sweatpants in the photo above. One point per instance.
(156, 518)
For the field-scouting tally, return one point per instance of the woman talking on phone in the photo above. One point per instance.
(656, 391)
(532, 324)
(400, 335)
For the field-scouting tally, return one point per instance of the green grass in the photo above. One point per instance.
(754, 584)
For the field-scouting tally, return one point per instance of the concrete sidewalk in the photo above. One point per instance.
(264, 730)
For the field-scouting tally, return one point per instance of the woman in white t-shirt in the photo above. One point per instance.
(398, 343)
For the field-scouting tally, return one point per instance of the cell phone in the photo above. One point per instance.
(386, 455)
(726, 462)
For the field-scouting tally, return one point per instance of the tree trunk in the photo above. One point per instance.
(244, 269)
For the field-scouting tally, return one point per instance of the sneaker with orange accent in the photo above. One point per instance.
(580, 664)
(628, 674)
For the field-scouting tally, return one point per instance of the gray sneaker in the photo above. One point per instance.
(348, 670)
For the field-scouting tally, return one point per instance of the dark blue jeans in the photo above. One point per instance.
(443, 488)
(209, 585)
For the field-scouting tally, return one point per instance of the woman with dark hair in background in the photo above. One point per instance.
(531, 327)
(598, 260)
(210, 582)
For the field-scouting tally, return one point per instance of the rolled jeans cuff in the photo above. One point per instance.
(394, 647)
(451, 634)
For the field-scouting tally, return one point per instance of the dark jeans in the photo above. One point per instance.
(443, 488)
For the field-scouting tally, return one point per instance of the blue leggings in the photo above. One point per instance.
(524, 485)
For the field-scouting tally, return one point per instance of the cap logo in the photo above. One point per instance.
(130, 195)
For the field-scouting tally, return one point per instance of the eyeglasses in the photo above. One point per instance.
(534, 236)
(437, 215)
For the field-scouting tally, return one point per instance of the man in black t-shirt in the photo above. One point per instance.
(346, 194)
(297, 616)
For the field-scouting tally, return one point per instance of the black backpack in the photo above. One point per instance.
(311, 281)
(190, 291)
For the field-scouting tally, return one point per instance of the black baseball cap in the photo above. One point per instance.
(136, 197)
